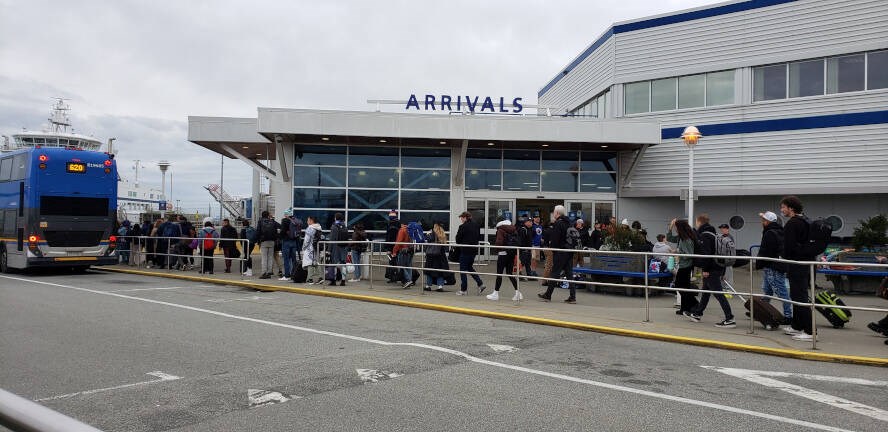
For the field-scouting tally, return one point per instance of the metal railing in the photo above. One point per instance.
(168, 244)
(646, 259)
(22, 415)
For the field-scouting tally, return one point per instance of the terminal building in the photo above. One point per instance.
(791, 97)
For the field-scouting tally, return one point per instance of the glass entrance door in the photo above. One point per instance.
(591, 211)
(486, 212)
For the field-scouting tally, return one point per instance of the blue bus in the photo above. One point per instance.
(57, 208)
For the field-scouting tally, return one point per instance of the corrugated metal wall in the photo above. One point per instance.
(592, 76)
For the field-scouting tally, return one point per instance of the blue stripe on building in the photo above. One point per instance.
(661, 21)
(798, 123)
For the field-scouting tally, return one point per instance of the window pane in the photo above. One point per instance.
(877, 70)
(691, 90)
(373, 221)
(557, 181)
(521, 180)
(425, 158)
(372, 178)
(319, 198)
(602, 105)
(598, 182)
(320, 155)
(318, 176)
(372, 199)
(521, 160)
(425, 179)
(806, 78)
(592, 108)
(769, 82)
(478, 179)
(483, 159)
(663, 94)
(561, 160)
(845, 74)
(720, 88)
(636, 97)
(598, 161)
(423, 200)
(426, 219)
(323, 217)
(373, 156)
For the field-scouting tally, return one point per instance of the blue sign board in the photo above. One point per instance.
(161, 205)
(469, 103)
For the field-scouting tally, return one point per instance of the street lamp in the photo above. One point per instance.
(164, 166)
(690, 136)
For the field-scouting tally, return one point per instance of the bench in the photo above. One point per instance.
(860, 280)
(613, 268)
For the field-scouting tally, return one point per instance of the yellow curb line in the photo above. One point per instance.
(789, 353)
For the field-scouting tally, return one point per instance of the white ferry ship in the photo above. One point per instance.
(133, 199)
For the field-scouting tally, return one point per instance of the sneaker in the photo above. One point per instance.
(408, 284)
(342, 282)
(788, 330)
(481, 289)
(283, 278)
(462, 293)
(493, 296)
(726, 324)
(570, 300)
(427, 288)
(877, 328)
(693, 317)
(265, 276)
(544, 297)
(354, 280)
(518, 296)
(804, 337)
(248, 273)
(440, 288)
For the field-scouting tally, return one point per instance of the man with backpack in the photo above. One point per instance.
(251, 235)
(403, 251)
(208, 241)
(338, 251)
(169, 233)
(796, 236)
(291, 234)
(710, 243)
(774, 273)
(268, 232)
(561, 260)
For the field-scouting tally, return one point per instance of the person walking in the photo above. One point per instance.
(686, 238)
(525, 240)
(228, 243)
(773, 273)
(313, 235)
(546, 255)
(403, 251)
(596, 237)
(123, 244)
(712, 276)
(537, 241)
(207, 242)
(795, 235)
(153, 244)
(583, 242)
(249, 234)
(288, 236)
(391, 233)
(358, 247)
(436, 265)
(268, 233)
(339, 251)
(187, 262)
(506, 235)
(467, 237)
(170, 231)
(561, 260)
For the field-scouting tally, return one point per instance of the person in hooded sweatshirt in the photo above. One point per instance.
(712, 277)
(310, 252)
(208, 240)
(774, 273)
(505, 258)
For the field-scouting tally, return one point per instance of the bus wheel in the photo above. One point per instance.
(4, 260)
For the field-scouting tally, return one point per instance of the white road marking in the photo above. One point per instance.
(163, 377)
(257, 398)
(155, 289)
(468, 357)
(502, 348)
(761, 377)
(374, 376)
(241, 299)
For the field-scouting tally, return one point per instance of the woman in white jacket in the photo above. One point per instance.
(310, 253)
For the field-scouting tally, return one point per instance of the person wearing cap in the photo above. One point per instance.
(583, 243)
(773, 273)
(391, 234)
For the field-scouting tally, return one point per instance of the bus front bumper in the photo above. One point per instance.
(69, 261)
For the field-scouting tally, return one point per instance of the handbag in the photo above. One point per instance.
(194, 243)
(453, 255)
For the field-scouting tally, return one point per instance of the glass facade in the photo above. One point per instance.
(547, 171)
(816, 77)
(689, 91)
(365, 183)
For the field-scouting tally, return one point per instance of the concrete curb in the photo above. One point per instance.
(789, 353)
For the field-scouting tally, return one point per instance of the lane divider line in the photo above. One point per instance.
(466, 356)
(710, 343)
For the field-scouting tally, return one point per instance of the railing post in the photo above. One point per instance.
(370, 265)
(813, 310)
(647, 298)
(751, 305)
(422, 276)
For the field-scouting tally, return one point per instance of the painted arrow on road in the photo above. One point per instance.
(374, 376)
(257, 398)
(502, 348)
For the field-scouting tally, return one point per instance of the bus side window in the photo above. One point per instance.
(19, 166)
(5, 169)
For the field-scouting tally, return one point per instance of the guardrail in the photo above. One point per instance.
(167, 245)
(21, 415)
(370, 265)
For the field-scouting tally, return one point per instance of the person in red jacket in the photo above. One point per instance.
(404, 253)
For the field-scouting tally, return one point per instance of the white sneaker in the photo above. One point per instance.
(804, 337)
(283, 278)
(788, 330)
(354, 280)
(518, 296)
(677, 300)
(461, 293)
(493, 296)
(248, 273)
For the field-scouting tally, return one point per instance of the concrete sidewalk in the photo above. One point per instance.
(609, 311)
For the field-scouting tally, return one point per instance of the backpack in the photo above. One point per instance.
(338, 232)
(209, 242)
(573, 238)
(172, 230)
(295, 229)
(724, 246)
(250, 234)
(317, 238)
(414, 230)
(511, 239)
(266, 229)
(819, 233)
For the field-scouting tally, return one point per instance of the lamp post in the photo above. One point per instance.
(690, 136)
(164, 166)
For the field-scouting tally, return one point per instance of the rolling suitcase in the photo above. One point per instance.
(836, 317)
(764, 312)
(300, 274)
(391, 272)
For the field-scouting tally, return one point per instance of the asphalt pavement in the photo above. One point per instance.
(137, 353)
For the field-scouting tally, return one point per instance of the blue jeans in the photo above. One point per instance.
(289, 249)
(774, 282)
(466, 261)
(405, 259)
(431, 281)
(356, 261)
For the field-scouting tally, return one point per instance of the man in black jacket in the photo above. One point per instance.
(774, 273)
(525, 240)
(561, 263)
(469, 234)
(712, 276)
(795, 235)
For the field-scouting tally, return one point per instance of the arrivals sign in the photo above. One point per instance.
(472, 104)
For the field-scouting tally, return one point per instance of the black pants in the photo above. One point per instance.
(504, 265)
(799, 285)
(525, 258)
(683, 280)
(248, 263)
(713, 283)
(207, 260)
(562, 266)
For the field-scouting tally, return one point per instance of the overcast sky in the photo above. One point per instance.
(135, 70)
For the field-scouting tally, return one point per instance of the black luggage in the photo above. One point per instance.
(330, 272)
(300, 274)
(392, 273)
(836, 317)
(765, 313)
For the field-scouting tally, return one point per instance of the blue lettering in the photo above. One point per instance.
(412, 102)
(516, 105)
(471, 104)
(429, 101)
(502, 108)
(487, 104)
(445, 100)
(459, 103)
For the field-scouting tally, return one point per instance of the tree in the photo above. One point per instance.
(871, 233)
